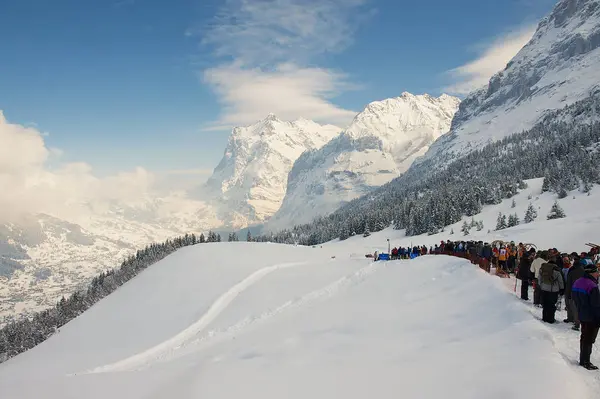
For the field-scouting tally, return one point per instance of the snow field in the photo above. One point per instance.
(264, 320)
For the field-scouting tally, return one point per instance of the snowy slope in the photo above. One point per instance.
(380, 144)
(291, 322)
(556, 68)
(250, 181)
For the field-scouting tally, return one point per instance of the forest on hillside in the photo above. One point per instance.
(562, 148)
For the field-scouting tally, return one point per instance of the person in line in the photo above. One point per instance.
(524, 272)
(575, 273)
(587, 299)
(552, 285)
(537, 263)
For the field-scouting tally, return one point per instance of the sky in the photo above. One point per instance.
(118, 87)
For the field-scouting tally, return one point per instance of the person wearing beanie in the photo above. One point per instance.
(587, 299)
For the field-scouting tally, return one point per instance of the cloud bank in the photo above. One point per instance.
(30, 186)
(267, 48)
(493, 58)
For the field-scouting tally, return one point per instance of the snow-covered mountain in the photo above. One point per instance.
(250, 182)
(558, 66)
(380, 144)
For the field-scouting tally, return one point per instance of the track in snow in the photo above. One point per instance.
(167, 349)
(211, 314)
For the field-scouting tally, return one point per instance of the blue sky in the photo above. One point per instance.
(157, 84)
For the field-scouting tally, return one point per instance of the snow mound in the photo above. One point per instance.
(294, 322)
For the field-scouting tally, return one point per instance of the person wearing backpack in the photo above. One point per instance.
(587, 299)
(551, 285)
(542, 257)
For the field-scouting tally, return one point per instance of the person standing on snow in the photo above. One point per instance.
(535, 272)
(524, 273)
(575, 273)
(587, 299)
(552, 285)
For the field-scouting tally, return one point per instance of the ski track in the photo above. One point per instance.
(182, 344)
(212, 337)
(211, 314)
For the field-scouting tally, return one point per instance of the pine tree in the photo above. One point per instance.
(249, 236)
(465, 228)
(367, 230)
(562, 192)
(556, 212)
(513, 220)
(473, 223)
(480, 225)
(514, 204)
(202, 239)
(530, 214)
(451, 231)
(501, 222)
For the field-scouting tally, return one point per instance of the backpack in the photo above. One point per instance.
(547, 274)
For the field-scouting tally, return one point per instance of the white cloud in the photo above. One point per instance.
(268, 45)
(493, 58)
(288, 91)
(69, 190)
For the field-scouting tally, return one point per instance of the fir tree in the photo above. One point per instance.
(465, 228)
(451, 231)
(530, 214)
(514, 204)
(501, 223)
(479, 225)
(202, 239)
(367, 230)
(556, 212)
(513, 220)
(249, 236)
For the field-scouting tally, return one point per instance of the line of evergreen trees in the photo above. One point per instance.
(19, 336)
(562, 148)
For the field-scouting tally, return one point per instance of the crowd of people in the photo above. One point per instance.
(552, 274)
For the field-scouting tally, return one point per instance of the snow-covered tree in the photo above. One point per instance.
(501, 222)
(479, 225)
(367, 230)
(514, 204)
(556, 212)
(530, 214)
(513, 220)
(465, 228)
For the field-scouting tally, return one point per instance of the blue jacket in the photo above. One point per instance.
(587, 298)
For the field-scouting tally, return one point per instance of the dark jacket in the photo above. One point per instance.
(587, 299)
(487, 252)
(575, 273)
(524, 266)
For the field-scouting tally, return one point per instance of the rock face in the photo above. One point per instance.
(557, 67)
(380, 144)
(250, 182)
